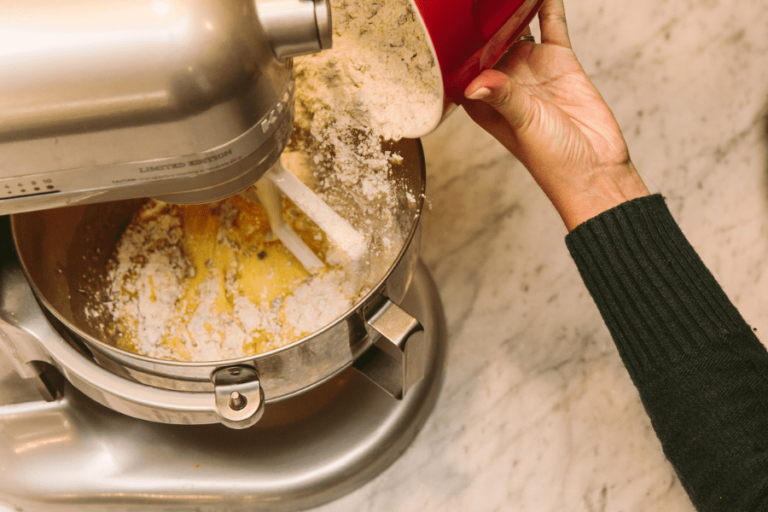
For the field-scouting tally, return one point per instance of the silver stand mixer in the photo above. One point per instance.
(188, 102)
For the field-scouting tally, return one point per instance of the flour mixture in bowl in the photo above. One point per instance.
(210, 282)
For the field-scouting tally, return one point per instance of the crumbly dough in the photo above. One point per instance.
(210, 282)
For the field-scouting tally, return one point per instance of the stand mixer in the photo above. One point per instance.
(187, 102)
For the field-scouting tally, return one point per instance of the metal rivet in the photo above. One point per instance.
(237, 402)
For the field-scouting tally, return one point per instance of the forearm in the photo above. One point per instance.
(586, 196)
(700, 371)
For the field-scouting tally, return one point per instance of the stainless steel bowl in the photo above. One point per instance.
(63, 251)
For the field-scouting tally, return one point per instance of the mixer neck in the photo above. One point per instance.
(296, 27)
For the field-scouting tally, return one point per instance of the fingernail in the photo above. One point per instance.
(480, 94)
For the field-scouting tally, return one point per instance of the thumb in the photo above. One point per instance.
(499, 92)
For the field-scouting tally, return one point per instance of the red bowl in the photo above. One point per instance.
(470, 36)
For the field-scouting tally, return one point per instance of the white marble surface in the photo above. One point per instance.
(537, 412)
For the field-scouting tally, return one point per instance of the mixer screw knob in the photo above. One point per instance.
(237, 402)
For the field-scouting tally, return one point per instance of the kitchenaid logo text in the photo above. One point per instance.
(190, 163)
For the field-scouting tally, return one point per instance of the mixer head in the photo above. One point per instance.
(188, 101)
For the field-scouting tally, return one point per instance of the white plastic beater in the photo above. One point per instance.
(340, 233)
(269, 197)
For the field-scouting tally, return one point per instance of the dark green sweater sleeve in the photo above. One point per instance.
(701, 372)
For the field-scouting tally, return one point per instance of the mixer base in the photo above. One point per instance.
(76, 455)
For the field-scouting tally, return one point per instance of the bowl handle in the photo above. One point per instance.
(239, 395)
(395, 361)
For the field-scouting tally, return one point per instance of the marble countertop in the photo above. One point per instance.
(537, 412)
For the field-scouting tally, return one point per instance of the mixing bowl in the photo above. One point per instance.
(64, 254)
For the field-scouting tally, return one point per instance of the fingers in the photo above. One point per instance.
(499, 92)
(490, 120)
(554, 29)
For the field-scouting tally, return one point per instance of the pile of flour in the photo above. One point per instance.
(378, 83)
(380, 75)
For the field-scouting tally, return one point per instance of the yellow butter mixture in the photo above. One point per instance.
(211, 282)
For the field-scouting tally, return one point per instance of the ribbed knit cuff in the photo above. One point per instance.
(657, 298)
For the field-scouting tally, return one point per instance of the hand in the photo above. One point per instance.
(540, 104)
